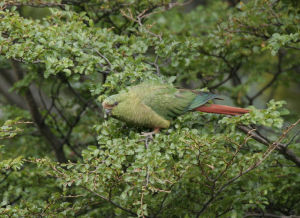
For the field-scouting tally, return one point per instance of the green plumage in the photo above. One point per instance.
(154, 105)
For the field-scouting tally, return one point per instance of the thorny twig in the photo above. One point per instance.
(110, 201)
(139, 19)
(105, 58)
(282, 148)
(271, 148)
(148, 12)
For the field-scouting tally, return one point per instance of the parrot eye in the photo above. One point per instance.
(116, 103)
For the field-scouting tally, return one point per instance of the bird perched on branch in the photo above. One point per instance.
(154, 105)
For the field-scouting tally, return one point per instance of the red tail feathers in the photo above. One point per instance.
(221, 109)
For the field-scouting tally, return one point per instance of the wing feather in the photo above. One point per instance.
(170, 102)
(165, 100)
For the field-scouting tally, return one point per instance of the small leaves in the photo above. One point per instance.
(278, 41)
(11, 128)
(270, 117)
(73, 54)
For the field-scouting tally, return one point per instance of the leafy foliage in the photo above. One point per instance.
(66, 160)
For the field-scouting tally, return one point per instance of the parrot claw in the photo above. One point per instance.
(148, 137)
(150, 134)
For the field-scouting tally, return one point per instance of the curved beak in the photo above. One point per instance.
(108, 109)
(107, 113)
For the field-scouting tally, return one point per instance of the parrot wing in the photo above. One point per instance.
(169, 102)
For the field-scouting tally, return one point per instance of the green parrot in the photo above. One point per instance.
(154, 105)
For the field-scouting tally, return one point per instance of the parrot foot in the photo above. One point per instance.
(150, 134)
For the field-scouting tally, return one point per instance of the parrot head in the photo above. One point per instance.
(109, 103)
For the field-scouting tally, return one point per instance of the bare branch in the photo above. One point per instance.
(264, 215)
(40, 4)
(266, 154)
(55, 143)
(155, 65)
(274, 79)
(105, 58)
(6, 176)
(138, 19)
(220, 83)
(110, 201)
(282, 148)
(292, 47)
(6, 81)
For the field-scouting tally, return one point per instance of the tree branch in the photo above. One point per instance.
(42, 4)
(263, 215)
(6, 81)
(271, 147)
(269, 84)
(110, 201)
(55, 143)
(282, 148)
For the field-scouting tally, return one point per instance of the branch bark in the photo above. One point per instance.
(282, 148)
(6, 82)
(54, 142)
(110, 201)
(273, 80)
(271, 147)
(42, 4)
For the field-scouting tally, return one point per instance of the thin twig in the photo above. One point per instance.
(110, 201)
(271, 148)
(288, 154)
(105, 58)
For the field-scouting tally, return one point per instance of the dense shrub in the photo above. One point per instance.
(61, 58)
